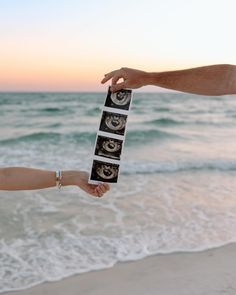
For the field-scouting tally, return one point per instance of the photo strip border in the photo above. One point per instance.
(110, 138)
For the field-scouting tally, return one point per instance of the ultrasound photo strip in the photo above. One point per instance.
(110, 137)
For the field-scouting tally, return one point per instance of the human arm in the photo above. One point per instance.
(209, 80)
(18, 178)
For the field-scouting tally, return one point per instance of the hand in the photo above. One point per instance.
(131, 79)
(92, 189)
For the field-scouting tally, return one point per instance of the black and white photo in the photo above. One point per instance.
(110, 138)
(108, 147)
(119, 100)
(113, 123)
(104, 172)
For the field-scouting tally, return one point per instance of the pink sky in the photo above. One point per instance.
(53, 46)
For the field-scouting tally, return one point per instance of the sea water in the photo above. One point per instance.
(176, 190)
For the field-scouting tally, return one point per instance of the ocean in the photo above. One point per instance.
(176, 190)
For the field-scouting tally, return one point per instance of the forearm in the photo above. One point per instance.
(209, 80)
(16, 178)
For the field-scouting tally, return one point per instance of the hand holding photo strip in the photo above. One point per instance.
(110, 139)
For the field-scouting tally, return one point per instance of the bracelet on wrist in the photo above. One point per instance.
(58, 179)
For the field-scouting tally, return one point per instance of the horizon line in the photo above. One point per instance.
(77, 91)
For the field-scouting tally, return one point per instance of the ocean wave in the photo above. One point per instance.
(50, 137)
(140, 136)
(162, 109)
(51, 110)
(168, 167)
(93, 111)
(37, 136)
(173, 122)
(149, 135)
(48, 111)
(165, 121)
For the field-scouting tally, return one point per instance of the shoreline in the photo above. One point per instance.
(208, 272)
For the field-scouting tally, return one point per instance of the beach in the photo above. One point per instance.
(209, 272)
(165, 143)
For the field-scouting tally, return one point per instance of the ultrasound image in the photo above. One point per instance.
(108, 147)
(104, 172)
(113, 123)
(119, 100)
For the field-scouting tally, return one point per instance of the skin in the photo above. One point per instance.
(18, 178)
(209, 80)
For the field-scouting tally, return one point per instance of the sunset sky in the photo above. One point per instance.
(67, 45)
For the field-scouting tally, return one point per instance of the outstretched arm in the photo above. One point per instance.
(17, 178)
(208, 80)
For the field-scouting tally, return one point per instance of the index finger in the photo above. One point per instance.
(106, 186)
(108, 76)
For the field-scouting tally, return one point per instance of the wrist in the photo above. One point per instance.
(70, 178)
(143, 78)
(149, 78)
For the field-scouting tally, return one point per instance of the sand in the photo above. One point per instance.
(210, 272)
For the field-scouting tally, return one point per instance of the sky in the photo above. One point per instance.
(68, 45)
